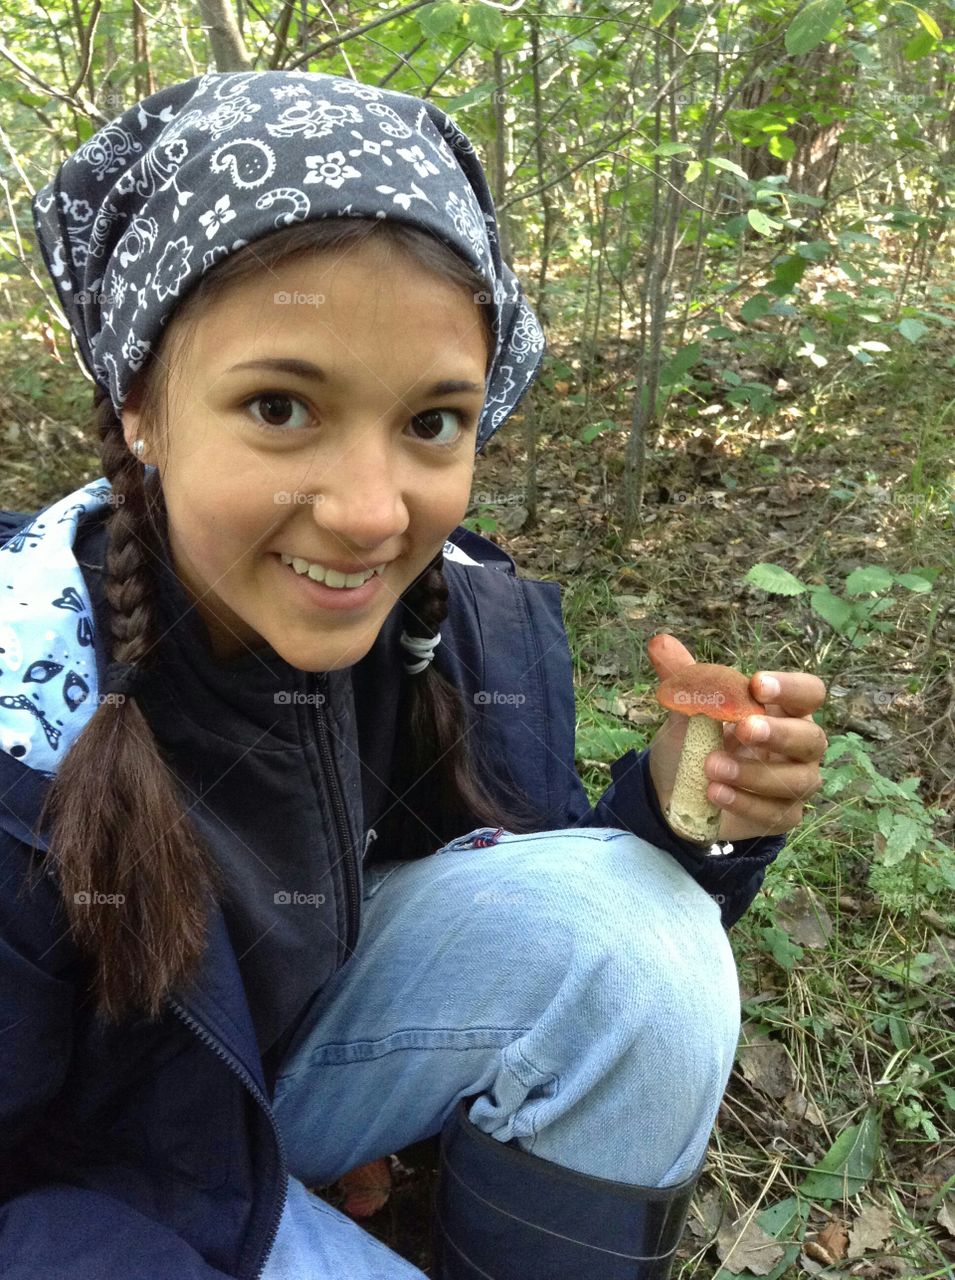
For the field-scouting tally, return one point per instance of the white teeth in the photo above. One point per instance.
(331, 577)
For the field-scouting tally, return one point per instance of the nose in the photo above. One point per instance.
(363, 501)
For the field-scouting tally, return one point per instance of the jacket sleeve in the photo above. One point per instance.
(56, 1231)
(508, 653)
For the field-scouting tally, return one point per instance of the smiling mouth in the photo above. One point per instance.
(330, 577)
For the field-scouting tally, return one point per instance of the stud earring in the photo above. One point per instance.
(138, 447)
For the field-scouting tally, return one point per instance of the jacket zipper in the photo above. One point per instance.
(348, 857)
(256, 1092)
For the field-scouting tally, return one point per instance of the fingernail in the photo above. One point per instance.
(769, 686)
(722, 795)
(758, 729)
(726, 769)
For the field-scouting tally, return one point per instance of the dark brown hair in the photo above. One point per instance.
(116, 820)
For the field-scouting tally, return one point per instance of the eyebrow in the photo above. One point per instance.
(305, 369)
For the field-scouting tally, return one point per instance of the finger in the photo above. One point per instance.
(791, 782)
(791, 739)
(797, 693)
(668, 655)
(755, 816)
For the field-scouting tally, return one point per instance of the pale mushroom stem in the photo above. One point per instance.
(690, 812)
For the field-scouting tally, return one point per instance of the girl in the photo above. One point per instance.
(258, 951)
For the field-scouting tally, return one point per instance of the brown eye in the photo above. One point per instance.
(433, 421)
(276, 407)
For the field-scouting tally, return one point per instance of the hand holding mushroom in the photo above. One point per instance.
(764, 742)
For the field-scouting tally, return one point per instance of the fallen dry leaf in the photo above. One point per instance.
(828, 1245)
(766, 1064)
(747, 1248)
(366, 1188)
(946, 1215)
(870, 1230)
(804, 917)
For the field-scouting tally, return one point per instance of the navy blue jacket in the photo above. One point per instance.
(149, 1150)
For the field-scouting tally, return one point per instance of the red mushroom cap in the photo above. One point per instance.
(709, 689)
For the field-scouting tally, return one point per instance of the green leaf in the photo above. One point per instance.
(912, 329)
(849, 1163)
(754, 308)
(589, 434)
(929, 23)
(781, 147)
(693, 171)
(774, 579)
(671, 149)
(730, 166)
(681, 363)
(605, 741)
(759, 222)
(913, 582)
(872, 578)
(788, 273)
(903, 834)
(470, 98)
(485, 25)
(831, 608)
(812, 24)
(661, 10)
(781, 947)
(815, 250)
(436, 19)
(920, 45)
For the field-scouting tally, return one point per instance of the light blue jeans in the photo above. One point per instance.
(577, 985)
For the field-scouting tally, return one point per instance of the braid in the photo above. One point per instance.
(129, 575)
(118, 825)
(439, 786)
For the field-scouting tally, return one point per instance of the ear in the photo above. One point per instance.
(131, 418)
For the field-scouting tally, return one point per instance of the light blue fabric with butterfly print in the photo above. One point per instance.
(48, 682)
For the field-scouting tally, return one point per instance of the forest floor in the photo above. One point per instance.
(834, 1149)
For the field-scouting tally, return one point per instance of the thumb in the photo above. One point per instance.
(668, 655)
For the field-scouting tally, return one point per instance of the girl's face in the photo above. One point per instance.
(363, 461)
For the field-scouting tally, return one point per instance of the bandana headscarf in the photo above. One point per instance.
(159, 195)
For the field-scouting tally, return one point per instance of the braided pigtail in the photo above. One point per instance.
(440, 788)
(132, 874)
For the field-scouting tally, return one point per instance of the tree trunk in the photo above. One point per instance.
(225, 43)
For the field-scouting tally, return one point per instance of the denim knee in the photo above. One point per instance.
(648, 949)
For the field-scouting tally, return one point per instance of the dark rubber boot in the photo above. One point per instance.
(502, 1214)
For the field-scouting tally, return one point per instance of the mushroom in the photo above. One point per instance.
(711, 695)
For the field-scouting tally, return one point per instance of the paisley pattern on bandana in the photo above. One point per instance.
(158, 196)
